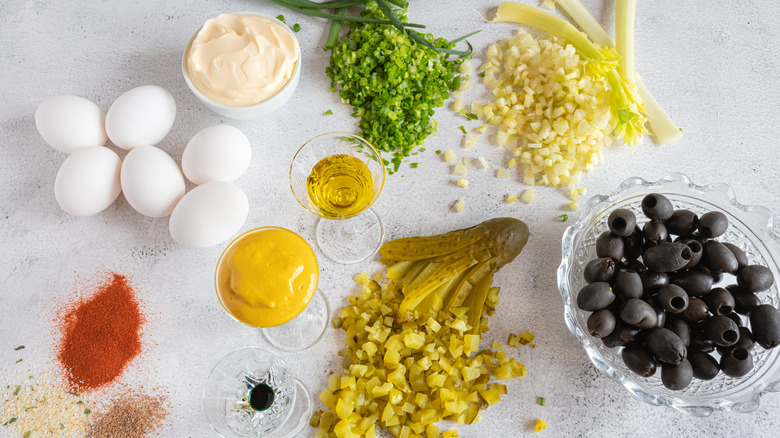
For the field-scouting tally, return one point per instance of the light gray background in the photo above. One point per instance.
(712, 65)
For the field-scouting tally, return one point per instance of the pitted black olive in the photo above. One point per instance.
(610, 245)
(680, 328)
(682, 223)
(736, 362)
(755, 278)
(627, 284)
(704, 366)
(653, 281)
(695, 283)
(722, 330)
(657, 207)
(736, 318)
(742, 259)
(621, 335)
(696, 252)
(601, 323)
(621, 222)
(700, 342)
(745, 341)
(595, 296)
(712, 224)
(633, 244)
(602, 269)
(634, 265)
(638, 313)
(665, 345)
(654, 232)
(673, 298)
(660, 313)
(765, 324)
(719, 301)
(639, 360)
(717, 257)
(667, 257)
(677, 377)
(744, 301)
(697, 310)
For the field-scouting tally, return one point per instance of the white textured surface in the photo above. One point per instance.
(712, 65)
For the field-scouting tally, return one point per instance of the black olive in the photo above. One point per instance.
(704, 366)
(627, 284)
(713, 224)
(621, 335)
(665, 345)
(736, 318)
(719, 301)
(660, 313)
(621, 222)
(745, 341)
(755, 278)
(722, 330)
(680, 328)
(697, 310)
(696, 283)
(765, 323)
(601, 323)
(657, 207)
(677, 377)
(736, 362)
(667, 257)
(634, 265)
(717, 257)
(638, 360)
(638, 313)
(696, 252)
(682, 222)
(742, 259)
(700, 342)
(673, 298)
(602, 269)
(595, 296)
(744, 301)
(654, 232)
(610, 245)
(652, 281)
(633, 244)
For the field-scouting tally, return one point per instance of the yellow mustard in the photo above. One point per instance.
(241, 60)
(267, 276)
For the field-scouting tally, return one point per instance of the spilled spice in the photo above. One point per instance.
(100, 335)
(132, 416)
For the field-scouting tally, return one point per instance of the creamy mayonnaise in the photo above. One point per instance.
(241, 60)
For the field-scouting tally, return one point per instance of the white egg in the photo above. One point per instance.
(69, 123)
(209, 214)
(142, 116)
(216, 153)
(151, 181)
(88, 181)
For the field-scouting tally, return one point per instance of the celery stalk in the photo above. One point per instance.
(661, 125)
(585, 20)
(625, 11)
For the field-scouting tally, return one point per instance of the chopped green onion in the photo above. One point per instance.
(413, 165)
(281, 18)
(18, 388)
(463, 129)
(19, 348)
(10, 421)
(541, 401)
(437, 152)
(18, 361)
(329, 113)
(564, 217)
(471, 116)
(296, 27)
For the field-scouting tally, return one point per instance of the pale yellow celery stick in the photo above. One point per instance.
(625, 11)
(582, 17)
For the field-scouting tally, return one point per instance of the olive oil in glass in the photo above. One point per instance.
(340, 186)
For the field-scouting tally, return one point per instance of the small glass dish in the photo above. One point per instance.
(750, 227)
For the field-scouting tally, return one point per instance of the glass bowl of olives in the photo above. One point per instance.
(670, 288)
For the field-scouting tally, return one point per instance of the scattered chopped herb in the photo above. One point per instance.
(413, 165)
(329, 113)
(296, 27)
(437, 151)
(72, 393)
(564, 217)
(27, 434)
(18, 361)
(422, 150)
(470, 116)
(463, 129)
(87, 411)
(29, 408)
(18, 388)
(79, 402)
(19, 348)
(281, 18)
(482, 75)
(488, 120)
(9, 421)
(680, 129)
(541, 401)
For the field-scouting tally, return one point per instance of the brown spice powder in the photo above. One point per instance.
(132, 416)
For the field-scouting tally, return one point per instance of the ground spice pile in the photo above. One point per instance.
(100, 335)
(132, 416)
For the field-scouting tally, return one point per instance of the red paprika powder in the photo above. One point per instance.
(100, 335)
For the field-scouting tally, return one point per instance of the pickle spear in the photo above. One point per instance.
(433, 263)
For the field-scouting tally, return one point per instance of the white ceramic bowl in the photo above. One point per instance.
(250, 112)
(751, 227)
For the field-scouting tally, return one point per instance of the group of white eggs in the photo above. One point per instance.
(93, 175)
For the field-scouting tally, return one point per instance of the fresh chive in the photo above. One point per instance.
(317, 13)
(280, 17)
(296, 27)
(541, 401)
(18, 388)
(463, 130)
(18, 361)
(564, 217)
(19, 348)
(329, 113)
